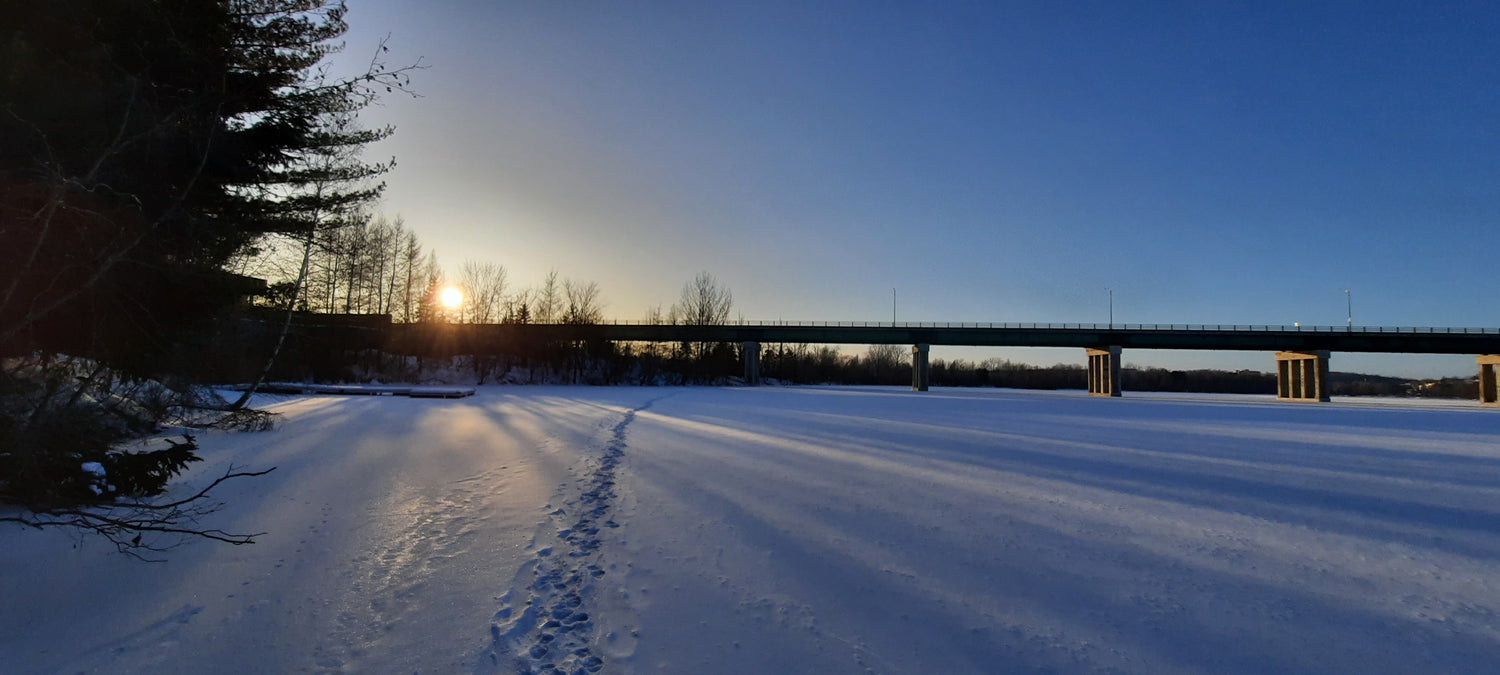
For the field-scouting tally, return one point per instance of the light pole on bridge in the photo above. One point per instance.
(1349, 305)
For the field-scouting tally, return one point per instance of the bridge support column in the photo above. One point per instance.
(919, 369)
(751, 352)
(1104, 371)
(1302, 376)
(1488, 393)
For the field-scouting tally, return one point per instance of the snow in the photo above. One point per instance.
(804, 529)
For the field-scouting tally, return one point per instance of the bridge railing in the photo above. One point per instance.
(1156, 327)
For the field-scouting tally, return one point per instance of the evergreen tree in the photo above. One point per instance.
(143, 144)
(146, 142)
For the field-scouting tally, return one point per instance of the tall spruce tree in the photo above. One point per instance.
(148, 141)
(143, 143)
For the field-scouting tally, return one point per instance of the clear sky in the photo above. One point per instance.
(1210, 162)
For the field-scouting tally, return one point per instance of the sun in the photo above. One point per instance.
(451, 297)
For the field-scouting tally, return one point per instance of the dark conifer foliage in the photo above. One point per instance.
(144, 143)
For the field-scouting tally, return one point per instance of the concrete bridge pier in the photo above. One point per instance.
(1302, 376)
(1488, 394)
(1104, 371)
(751, 351)
(919, 370)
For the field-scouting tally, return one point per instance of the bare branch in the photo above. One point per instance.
(204, 492)
(104, 265)
(123, 524)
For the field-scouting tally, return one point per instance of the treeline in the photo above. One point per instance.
(376, 265)
(1001, 373)
(370, 266)
(889, 364)
(645, 363)
(1353, 384)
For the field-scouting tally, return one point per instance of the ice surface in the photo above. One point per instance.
(836, 530)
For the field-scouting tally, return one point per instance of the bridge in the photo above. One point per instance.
(1301, 352)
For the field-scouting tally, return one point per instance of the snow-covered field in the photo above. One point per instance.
(830, 530)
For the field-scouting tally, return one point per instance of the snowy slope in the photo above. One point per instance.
(838, 530)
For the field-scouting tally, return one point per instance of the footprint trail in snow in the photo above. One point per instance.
(551, 630)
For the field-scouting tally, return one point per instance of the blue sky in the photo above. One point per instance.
(1209, 162)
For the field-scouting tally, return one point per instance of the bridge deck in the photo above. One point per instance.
(413, 338)
(1246, 338)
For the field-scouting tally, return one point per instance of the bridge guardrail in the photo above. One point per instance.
(1126, 327)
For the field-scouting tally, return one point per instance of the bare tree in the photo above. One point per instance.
(363, 266)
(548, 300)
(703, 302)
(393, 242)
(483, 286)
(886, 363)
(584, 303)
(412, 279)
(653, 350)
(356, 253)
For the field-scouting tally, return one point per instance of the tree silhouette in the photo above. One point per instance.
(146, 144)
(483, 285)
(704, 302)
